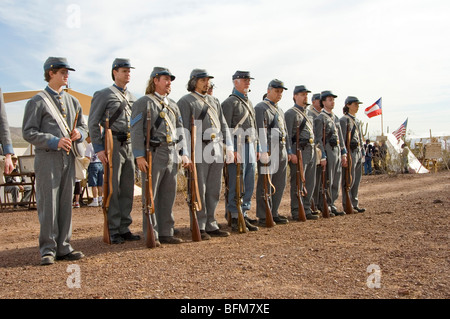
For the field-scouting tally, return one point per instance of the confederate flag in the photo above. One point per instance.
(374, 109)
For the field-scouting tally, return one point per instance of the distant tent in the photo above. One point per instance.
(395, 150)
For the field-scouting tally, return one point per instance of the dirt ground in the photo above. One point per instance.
(400, 244)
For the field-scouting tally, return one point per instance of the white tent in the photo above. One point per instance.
(395, 150)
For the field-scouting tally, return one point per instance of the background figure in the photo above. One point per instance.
(5, 137)
(404, 159)
(368, 149)
(16, 189)
(383, 155)
(376, 158)
(95, 175)
(76, 193)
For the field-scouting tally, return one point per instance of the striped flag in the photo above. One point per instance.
(401, 131)
(375, 109)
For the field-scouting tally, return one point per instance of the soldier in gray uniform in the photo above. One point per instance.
(212, 129)
(334, 153)
(166, 124)
(274, 140)
(5, 137)
(240, 116)
(313, 112)
(115, 102)
(44, 127)
(297, 117)
(351, 123)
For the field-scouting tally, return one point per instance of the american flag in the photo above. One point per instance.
(401, 131)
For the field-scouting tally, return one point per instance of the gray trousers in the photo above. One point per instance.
(55, 180)
(121, 204)
(334, 173)
(278, 180)
(164, 184)
(356, 173)
(309, 169)
(248, 167)
(209, 177)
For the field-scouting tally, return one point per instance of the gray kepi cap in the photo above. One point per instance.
(275, 83)
(162, 71)
(315, 96)
(352, 99)
(57, 63)
(326, 94)
(300, 89)
(242, 75)
(121, 63)
(200, 73)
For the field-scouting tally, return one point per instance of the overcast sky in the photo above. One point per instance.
(397, 50)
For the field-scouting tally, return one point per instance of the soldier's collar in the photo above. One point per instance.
(239, 94)
(203, 96)
(53, 92)
(274, 104)
(119, 88)
(329, 114)
(301, 108)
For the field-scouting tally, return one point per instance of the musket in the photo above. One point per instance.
(325, 212)
(227, 189)
(149, 209)
(267, 194)
(73, 127)
(239, 193)
(107, 180)
(300, 180)
(348, 174)
(194, 200)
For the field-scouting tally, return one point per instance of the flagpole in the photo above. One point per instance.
(382, 132)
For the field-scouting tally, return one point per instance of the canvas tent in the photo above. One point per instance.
(85, 100)
(395, 150)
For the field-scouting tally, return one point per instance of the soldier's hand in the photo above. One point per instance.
(323, 162)
(102, 157)
(75, 135)
(65, 144)
(265, 158)
(344, 161)
(142, 164)
(237, 157)
(230, 157)
(186, 163)
(294, 159)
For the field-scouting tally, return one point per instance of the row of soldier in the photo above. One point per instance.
(170, 129)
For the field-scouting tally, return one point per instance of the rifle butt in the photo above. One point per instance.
(150, 240)
(106, 236)
(301, 211)
(348, 203)
(195, 229)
